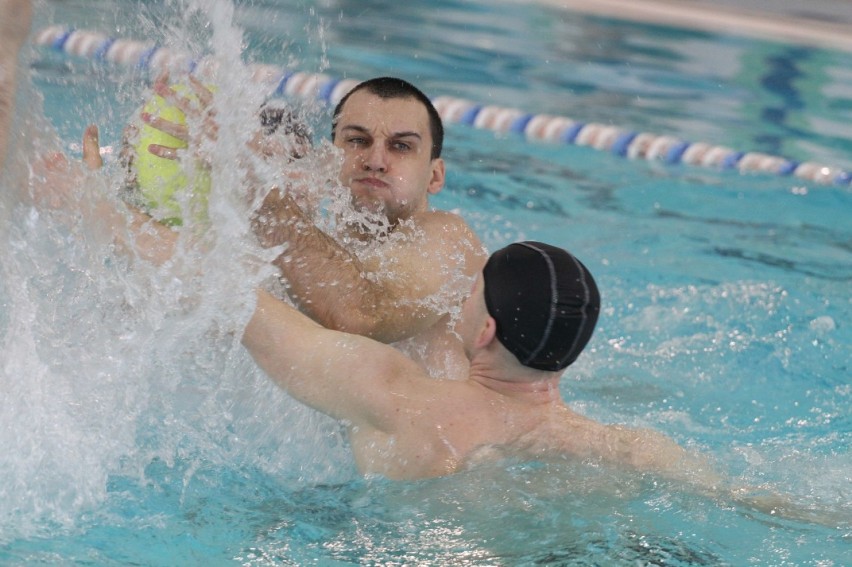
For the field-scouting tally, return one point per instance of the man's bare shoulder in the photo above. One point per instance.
(448, 232)
(433, 218)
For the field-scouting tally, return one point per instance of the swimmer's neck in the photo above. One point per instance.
(532, 390)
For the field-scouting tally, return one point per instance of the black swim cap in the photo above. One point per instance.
(545, 302)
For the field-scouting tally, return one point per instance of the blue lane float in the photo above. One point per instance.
(539, 127)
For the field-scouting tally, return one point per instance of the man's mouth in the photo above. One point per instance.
(372, 183)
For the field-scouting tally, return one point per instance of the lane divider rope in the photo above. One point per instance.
(147, 56)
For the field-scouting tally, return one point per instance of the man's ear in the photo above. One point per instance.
(487, 333)
(439, 175)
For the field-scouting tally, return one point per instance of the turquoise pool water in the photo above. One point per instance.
(135, 429)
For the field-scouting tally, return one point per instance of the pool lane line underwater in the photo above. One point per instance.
(618, 141)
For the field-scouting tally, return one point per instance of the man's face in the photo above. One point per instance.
(387, 161)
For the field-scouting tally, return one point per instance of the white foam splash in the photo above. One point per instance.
(109, 363)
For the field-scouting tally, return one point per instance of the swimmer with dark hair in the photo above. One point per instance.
(398, 278)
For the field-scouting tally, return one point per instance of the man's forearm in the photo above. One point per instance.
(15, 16)
(8, 83)
(325, 280)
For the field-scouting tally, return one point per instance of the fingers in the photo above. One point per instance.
(92, 148)
(167, 152)
(173, 129)
(162, 78)
(197, 107)
(198, 104)
(184, 104)
(164, 152)
(204, 94)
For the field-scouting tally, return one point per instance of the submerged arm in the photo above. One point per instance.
(651, 451)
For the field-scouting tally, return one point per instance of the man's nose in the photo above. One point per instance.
(376, 158)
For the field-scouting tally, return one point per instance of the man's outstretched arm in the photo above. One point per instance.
(345, 376)
(15, 20)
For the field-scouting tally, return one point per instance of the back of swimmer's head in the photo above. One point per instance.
(545, 303)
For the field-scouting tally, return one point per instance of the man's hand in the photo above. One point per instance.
(196, 107)
(92, 148)
(56, 181)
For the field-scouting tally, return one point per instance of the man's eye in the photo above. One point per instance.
(401, 146)
(357, 140)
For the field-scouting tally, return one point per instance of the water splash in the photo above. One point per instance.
(118, 371)
(110, 363)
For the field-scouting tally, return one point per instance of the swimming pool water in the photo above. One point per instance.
(140, 432)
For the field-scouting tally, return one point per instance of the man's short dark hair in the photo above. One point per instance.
(273, 118)
(392, 87)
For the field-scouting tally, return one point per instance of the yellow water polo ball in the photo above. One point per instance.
(163, 183)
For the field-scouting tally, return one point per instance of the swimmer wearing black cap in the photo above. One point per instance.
(531, 312)
(544, 301)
